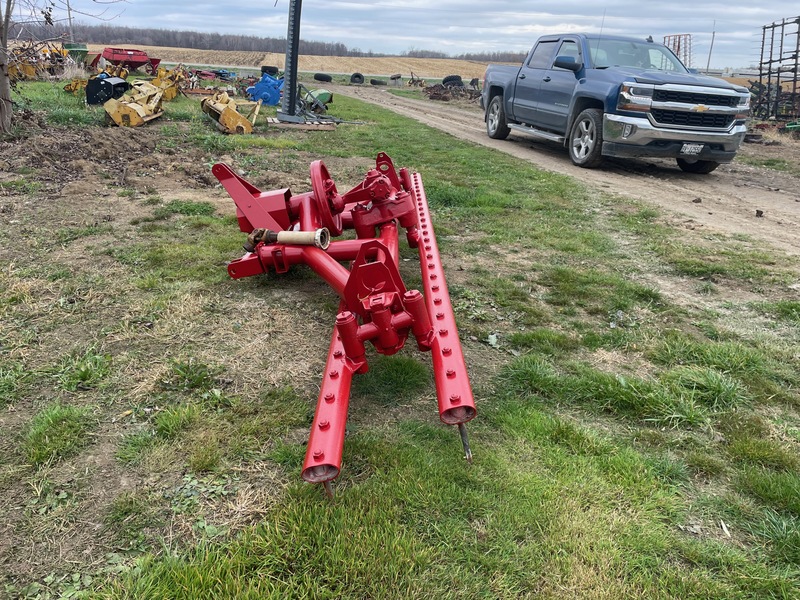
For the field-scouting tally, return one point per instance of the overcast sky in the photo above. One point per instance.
(455, 27)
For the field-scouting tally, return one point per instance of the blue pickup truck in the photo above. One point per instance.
(612, 96)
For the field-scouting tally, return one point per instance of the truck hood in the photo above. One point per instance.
(664, 77)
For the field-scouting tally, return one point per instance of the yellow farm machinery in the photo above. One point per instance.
(225, 112)
(135, 110)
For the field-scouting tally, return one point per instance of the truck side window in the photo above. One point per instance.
(569, 48)
(540, 59)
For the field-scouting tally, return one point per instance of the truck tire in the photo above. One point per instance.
(697, 166)
(586, 139)
(269, 70)
(496, 124)
(322, 77)
(453, 81)
(356, 78)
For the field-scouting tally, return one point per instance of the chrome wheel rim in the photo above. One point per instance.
(492, 119)
(584, 139)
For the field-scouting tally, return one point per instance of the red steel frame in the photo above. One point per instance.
(375, 305)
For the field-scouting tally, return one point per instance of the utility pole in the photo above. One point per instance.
(288, 111)
(69, 20)
(713, 34)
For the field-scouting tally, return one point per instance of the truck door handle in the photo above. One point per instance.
(522, 76)
(546, 78)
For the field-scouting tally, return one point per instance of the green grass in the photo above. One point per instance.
(781, 536)
(707, 261)
(190, 374)
(184, 207)
(785, 310)
(20, 186)
(711, 388)
(390, 377)
(11, 379)
(84, 370)
(776, 164)
(776, 489)
(56, 432)
(544, 341)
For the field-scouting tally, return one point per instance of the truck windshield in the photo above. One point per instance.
(625, 53)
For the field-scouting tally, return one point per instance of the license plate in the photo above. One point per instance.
(692, 149)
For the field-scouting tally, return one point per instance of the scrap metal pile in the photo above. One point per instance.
(451, 88)
(374, 304)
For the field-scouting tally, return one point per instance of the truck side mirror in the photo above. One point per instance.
(570, 63)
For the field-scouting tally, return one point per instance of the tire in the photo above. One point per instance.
(357, 78)
(377, 82)
(322, 77)
(702, 167)
(496, 124)
(269, 70)
(396, 76)
(453, 81)
(586, 139)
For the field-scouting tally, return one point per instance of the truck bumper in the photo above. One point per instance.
(643, 139)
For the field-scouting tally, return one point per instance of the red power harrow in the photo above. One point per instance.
(375, 306)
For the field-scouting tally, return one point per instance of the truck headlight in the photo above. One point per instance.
(634, 96)
(743, 107)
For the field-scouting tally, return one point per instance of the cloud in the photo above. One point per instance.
(455, 27)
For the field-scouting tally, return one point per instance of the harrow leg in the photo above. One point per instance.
(328, 489)
(462, 429)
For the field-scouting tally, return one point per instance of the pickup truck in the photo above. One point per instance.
(613, 96)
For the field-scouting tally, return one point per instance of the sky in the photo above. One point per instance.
(456, 27)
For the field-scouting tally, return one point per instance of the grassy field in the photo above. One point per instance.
(637, 384)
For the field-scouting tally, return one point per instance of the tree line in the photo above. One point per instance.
(114, 35)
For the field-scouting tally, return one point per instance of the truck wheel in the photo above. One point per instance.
(586, 139)
(496, 125)
(697, 166)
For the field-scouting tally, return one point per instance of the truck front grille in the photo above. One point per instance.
(694, 98)
(680, 118)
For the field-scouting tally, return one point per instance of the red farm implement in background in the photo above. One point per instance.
(375, 306)
(129, 58)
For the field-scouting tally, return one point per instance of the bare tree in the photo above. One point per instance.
(34, 12)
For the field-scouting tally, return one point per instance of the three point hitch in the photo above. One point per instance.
(375, 306)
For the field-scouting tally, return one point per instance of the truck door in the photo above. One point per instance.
(529, 78)
(556, 91)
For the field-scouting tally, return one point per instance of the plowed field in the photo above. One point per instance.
(432, 68)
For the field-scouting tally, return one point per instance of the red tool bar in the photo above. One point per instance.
(453, 390)
(323, 460)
